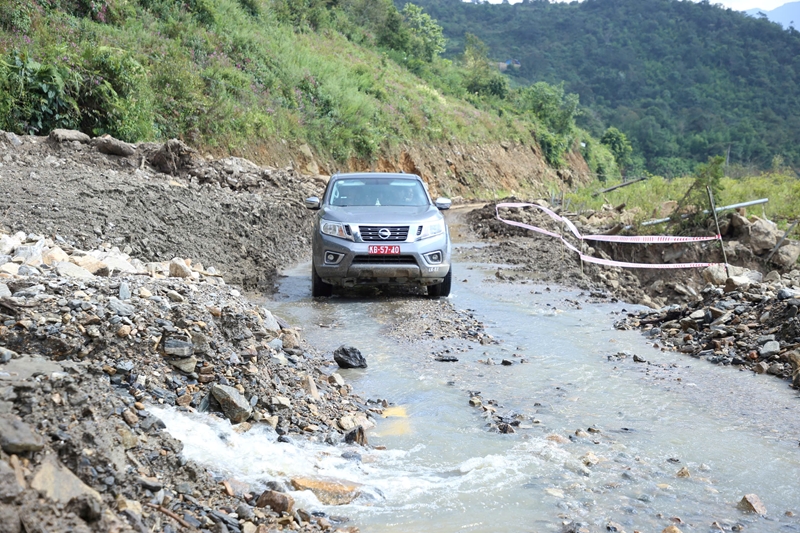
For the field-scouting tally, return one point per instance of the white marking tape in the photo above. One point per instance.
(606, 238)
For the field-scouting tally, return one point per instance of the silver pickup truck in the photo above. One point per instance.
(379, 229)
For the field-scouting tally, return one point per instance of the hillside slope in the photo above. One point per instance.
(683, 80)
(323, 87)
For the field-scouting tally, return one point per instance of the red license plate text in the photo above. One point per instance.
(384, 249)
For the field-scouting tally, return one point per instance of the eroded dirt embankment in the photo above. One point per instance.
(451, 169)
(157, 203)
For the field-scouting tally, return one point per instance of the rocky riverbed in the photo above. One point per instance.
(745, 317)
(85, 354)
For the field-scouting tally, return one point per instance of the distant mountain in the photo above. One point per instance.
(787, 15)
(683, 80)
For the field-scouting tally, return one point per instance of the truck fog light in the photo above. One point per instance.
(333, 258)
(434, 257)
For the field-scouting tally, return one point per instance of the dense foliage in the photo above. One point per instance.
(348, 77)
(683, 80)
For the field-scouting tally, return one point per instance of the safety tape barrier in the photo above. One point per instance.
(652, 239)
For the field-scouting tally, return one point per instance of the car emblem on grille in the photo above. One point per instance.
(384, 233)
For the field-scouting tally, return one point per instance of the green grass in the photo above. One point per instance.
(223, 78)
(647, 197)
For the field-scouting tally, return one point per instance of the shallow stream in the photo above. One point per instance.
(443, 471)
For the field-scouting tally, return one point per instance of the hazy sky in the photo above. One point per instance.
(739, 5)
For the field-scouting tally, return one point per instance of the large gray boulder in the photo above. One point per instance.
(17, 437)
(349, 357)
(234, 405)
(63, 136)
(763, 236)
(787, 255)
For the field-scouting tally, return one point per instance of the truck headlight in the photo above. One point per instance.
(336, 229)
(432, 229)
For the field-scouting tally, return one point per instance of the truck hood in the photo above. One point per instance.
(381, 214)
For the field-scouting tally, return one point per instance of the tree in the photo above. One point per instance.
(619, 145)
(426, 35)
(550, 105)
(482, 78)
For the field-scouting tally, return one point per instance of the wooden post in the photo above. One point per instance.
(719, 233)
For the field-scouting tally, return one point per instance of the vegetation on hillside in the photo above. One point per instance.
(683, 80)
(350, 78)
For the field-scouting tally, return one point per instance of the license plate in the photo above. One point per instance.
(384, 249)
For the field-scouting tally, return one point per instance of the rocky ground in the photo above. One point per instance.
(157, 202)
(100, 318)
(84, 355)
(745, 317)
(102, 315)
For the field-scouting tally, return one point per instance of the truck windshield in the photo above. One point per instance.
(372, 191)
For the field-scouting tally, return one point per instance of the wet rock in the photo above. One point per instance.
(17, 437)
(64, 136)
(233, 404)
(671, 529)
(751, 503)
(329, 491)
(684, 473)
(349, 357)
(357, 435)
(277, 501)
(59, 484)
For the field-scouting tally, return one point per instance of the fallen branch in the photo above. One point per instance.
(170, 514)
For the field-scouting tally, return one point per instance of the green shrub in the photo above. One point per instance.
(37, 97)
(17, 15)
(115, 95)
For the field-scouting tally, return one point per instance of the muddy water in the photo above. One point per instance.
(443, 471)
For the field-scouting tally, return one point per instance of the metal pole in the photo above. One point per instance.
(719, 233)
(718, 209)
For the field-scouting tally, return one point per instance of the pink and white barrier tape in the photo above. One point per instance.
(643, 239)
